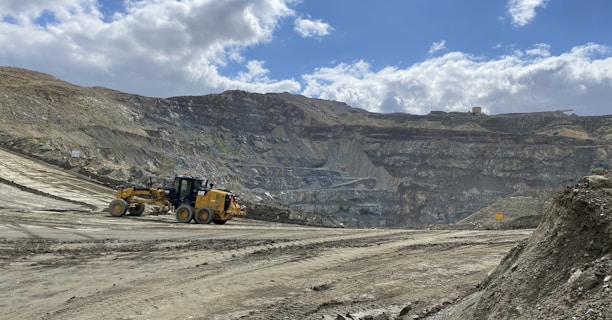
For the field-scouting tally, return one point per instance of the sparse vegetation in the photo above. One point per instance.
(598, 170)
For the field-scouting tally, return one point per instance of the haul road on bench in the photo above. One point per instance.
(191, 198)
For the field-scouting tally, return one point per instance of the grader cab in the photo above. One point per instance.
(190, 198)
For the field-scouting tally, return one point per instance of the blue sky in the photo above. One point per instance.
(411, 56)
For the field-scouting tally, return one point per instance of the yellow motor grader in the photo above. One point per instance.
(191, 198)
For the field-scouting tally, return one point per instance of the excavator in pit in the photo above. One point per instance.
(190, 198)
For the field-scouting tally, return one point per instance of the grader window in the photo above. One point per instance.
(196, 185)
(185, 188)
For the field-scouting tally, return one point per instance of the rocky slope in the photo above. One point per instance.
(364, 169)
(564, 271)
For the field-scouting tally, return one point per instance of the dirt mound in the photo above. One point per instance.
(562, 272)
(275, 212)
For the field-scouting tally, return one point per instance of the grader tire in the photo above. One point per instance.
(203, 215)
(117, 207)
(184, 213)
(137, 210)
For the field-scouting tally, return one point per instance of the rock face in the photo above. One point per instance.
(520, 210)
(364, 169)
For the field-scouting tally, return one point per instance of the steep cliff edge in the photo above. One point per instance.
(364, 169)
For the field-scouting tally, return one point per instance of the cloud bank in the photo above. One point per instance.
(527, 81)
(165, 48)
(153, 47)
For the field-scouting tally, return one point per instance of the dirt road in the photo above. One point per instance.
(60, 260)
(77, 265)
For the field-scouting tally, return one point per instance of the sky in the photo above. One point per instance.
(386, 56)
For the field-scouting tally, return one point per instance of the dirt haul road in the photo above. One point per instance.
(65, 260)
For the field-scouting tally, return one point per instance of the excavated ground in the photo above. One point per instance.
(80, 265)
(62, 257)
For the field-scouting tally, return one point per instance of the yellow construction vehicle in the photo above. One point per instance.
(191, 198)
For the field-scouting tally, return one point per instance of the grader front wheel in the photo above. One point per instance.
(117, 207)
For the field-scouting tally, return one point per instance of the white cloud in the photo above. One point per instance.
(437, 46)
(312, 28)
(541, 49)
(175, 47)
(523, 12)
(520, 82)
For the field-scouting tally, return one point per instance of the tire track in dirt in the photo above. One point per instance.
(210, 288)
(323, 299)
(21, 229)
(175, 286)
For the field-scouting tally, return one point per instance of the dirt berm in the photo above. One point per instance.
(563, 271)
(276, 212)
